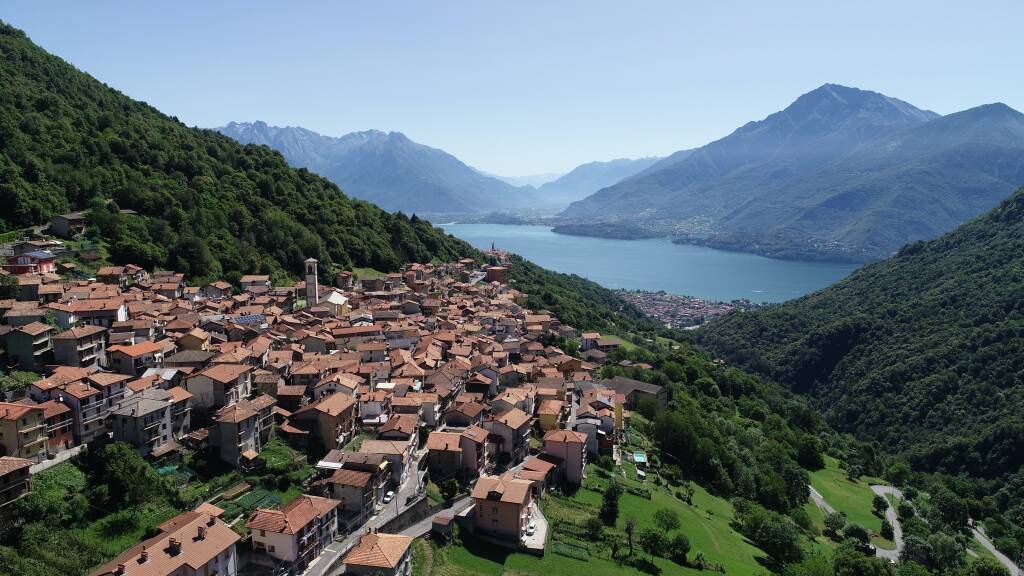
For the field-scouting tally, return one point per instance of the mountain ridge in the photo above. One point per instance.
(793, 183)
(388, 169)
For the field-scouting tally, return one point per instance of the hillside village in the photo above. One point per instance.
(384, 389)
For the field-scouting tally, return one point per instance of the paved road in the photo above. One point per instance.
(981, 537)
(819, 501)
(890, 515)
(329, 562)
(423, 526)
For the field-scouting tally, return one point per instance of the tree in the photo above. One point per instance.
(879, 504)
(648, 407)
(854, 472)
(857, 532)
(679, 547)
(834, 522)
(594, 527)
(688, 488)
(916, 549)
(898, 473)
(652, 541)
(987, 567)
(630, 529)
(8, 286)
(449, 488)
(610, 503)
(848, 560)
(886, 531)
(905, 510)
(946, 553)
(131, 480)
(667, 520)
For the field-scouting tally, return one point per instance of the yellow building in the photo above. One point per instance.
(22, 431)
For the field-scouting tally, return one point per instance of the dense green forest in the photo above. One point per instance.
(923, 353)
(205, 205)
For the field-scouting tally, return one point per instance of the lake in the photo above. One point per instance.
(658, 264)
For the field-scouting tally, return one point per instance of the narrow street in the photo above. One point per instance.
(329, 562)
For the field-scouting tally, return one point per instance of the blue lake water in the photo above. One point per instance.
(658, 264)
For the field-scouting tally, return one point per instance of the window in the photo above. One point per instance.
(494, 510)
(271, 548)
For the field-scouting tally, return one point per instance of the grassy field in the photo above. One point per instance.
(361, 273)
(852, 498)
(706, 524)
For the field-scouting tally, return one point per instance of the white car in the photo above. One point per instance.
(531, 526)
(531, 530)
(389, 496)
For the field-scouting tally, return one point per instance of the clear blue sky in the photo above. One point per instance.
(525, 87)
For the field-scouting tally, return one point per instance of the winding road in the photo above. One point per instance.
(890, 515)
(982, 538)
(897, 529)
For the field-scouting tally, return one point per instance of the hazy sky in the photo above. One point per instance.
(527, 87)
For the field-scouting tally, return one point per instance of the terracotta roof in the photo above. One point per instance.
(80, 332)
(379, 550)
(224, 373)
(505, 490)
(9, 464)
(444, 441)
(565, 436)
(137, 349)
(194, 552)
(347, 477)
(294, 517)
(475, 433)
(514, 418)
(34, 328)
(384, 447)
(403, 423)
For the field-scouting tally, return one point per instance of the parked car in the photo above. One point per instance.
(389, 496)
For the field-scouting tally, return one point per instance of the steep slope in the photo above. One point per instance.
(923, 352)
(591, 177)
(841, 173)
(912, 185)
(206, 205)
(818, 127)
(388, 169)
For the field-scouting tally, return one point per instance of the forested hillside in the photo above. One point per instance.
(206, 205)
(923, 352)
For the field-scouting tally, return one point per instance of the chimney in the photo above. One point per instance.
(144, 555)
(202, 533)
(211, 520)
(120, 570)
(175, 546)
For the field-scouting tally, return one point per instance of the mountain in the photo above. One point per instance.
(388, 169)
(839, 172)
(204, 204)
(923, 352)
(589, 178)
(534, 180)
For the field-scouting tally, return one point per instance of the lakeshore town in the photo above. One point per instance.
(388, 385)
(678, 311)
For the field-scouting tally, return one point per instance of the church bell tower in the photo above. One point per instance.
(312, 285)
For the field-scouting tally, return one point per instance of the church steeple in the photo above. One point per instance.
(312, 284)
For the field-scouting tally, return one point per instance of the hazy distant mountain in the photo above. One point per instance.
(589, 178)
(841, 171)
(534, 180)
(388, 169)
